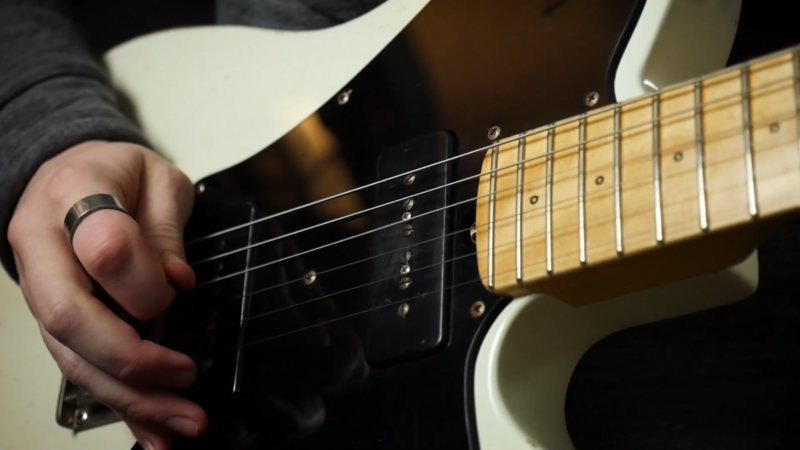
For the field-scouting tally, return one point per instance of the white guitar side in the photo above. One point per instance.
(211, 97)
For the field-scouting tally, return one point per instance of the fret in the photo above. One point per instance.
(520, 159)
(549, 200)
(492, 207)
(751, 116)
(582, 189)
(748, 143)
(617, 192)
(701, 164)
(657, 173)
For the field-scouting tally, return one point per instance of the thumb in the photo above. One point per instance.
(165, 204)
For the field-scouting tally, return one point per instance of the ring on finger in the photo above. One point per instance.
(86, 206)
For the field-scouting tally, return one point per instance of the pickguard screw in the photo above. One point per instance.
(534, 199)
(599, 180)
(473, 233)
(219, 268)
(406, 256)
(310, 278)
(220, 245)
(402, 310)
(405, 269)
(343, 97)
(774, 128)
(83, 416)
(408, 204)
(408, 230)
(592, 98)
(200, 188)
(477, 310)
(405, 282)
(410, 179)
(679, 157)
(406, 216)
(494, 132)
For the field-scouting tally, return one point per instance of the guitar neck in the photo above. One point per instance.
(648, 191)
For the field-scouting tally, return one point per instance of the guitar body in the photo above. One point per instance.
(335, 348)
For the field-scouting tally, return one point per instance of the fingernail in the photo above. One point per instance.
(146, 445)
(183, 426)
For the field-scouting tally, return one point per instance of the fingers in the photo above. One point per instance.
(59, 294)
(111, 248)
(165, 204)
(150, 411)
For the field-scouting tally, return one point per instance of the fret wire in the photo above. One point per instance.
(748, 143)
(617, 192)
(549, 200)
(657, 173)
(796, 73)
(701, 165)
(582, 189)
(520, 158)
(492, 194)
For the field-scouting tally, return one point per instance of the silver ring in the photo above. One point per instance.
(86, 206)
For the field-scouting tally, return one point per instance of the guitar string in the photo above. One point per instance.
(514, 139)
(646, 209)
(687, 145)
(609, 246)
(601, 191)
(643, 125)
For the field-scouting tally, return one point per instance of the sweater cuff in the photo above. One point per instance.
(55, 115)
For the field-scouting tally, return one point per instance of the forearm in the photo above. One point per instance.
(53, 95)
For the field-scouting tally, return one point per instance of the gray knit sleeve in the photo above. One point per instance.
(53, 94)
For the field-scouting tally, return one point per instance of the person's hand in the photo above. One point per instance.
(133, 258)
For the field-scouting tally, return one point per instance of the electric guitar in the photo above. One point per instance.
(426, 212)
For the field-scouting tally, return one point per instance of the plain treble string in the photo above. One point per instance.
(471, 177)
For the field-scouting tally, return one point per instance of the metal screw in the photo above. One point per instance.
(405, 282)
(678, 157)
(408, 230)
(83, 416)
(200, 188)
(599, 180)
(207, 363)
(408, 204)
(405, 269)
(774, 128)
(406, 216)
(477, 310)
(343, 97)
(410, 179)
(219, 268)
(221, 245)
(592, 98)
(406, 256)
(494, 132)
(402, 310)
(473, 233)
(534, 199)
(310, 278)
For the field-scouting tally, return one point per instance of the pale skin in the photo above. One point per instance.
(134, 258)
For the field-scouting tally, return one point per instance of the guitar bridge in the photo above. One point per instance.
(79, 411)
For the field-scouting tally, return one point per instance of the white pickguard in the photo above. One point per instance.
(210, 97)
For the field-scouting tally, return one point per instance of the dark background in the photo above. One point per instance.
(720, 379)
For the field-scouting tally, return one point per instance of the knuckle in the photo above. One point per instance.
(131, 408)
(60, 319)
(108, 254)
(15, 231)
(59, 179)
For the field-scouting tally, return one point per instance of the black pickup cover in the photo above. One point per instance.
(411, 322)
